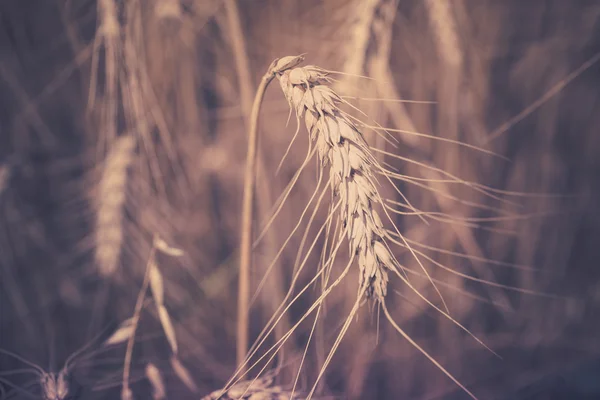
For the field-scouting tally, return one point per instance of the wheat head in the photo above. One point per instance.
(341, 146)
(353, 172)
(111, 197)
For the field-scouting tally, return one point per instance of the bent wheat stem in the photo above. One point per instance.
(139, 304)
(247, 205)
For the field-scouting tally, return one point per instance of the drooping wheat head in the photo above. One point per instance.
(353, 171)
(352, 166)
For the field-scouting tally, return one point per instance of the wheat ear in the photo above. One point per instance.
(111, 197)
(340, 145)
(352, 169)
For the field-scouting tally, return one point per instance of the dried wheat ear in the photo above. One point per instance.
(352, 168)
(353, 172)
(255, 389)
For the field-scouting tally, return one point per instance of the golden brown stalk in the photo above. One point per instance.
(247, 205)
(152, 279)
(352, 175)
(126, 393)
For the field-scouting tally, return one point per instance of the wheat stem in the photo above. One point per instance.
(135, 319)
(276, 66)
(246, 229)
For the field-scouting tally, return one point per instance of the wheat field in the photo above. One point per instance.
(260, 199)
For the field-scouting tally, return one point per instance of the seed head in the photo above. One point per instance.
(352, 167)
(54, 386)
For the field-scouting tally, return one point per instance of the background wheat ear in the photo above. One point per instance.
(111, 197)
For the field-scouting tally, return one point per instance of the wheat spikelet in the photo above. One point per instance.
(255, 389)
(122, 334)
(111, 197)
(183, 374)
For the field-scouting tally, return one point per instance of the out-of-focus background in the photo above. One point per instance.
(79, 204)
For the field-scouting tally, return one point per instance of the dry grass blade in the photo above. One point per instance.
(167, 325)
(183, 374)
(163, 247)
(126, 391)
(156, 381)
(158, 290)
(156, 284)
(353, 171)
(122, 334)
(553, 91)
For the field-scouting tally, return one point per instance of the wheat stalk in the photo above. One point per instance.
(263, 192)
(152, 279)
(111, 197)
(248, 201)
